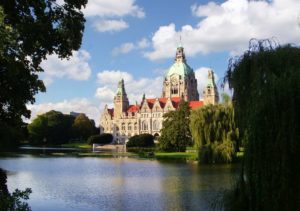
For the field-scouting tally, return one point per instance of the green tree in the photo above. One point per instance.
(83, 127)
(175, 134)
(266, 83)
(52, 127)
(214, 132)
(104, 138)
(142, 140)
(29, 31)
(14, 201)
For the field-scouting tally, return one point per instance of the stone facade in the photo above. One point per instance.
(125, 120)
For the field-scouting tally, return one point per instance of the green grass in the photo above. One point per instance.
(240, 154)
(176, 155)
(77, 145)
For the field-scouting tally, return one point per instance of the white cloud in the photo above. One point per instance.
(113, 8)
(105, 94)
(129, 46)
(110, 25)
(102, 11)
(76, 67)
(229, 26)
(108, 82)
(123, 49)
(80, 105)
(143, 43)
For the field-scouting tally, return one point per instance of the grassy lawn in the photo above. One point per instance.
(176, 155)
(77, 145)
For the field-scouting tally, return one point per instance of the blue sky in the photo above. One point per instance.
(136, 40)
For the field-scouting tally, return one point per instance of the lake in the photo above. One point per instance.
(121, 183)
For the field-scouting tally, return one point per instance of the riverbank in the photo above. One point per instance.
(85, 150)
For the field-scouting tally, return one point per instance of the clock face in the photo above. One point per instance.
(174, 80)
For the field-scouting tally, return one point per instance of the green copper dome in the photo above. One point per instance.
(179, 68)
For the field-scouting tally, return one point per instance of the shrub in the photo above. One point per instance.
(143, 140)
(104, 138)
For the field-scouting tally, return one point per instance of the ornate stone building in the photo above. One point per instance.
(125, 120)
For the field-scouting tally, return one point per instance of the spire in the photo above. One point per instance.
(211, 79)
(121, 89)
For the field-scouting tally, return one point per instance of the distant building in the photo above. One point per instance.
(125, 120)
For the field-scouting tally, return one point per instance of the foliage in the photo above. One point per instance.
(175, 133)
(14, 201)
(52, 127)
(215, 133)
(29, 31)
(142, 140)
(83, 127)
(104, 138)
(266, 97)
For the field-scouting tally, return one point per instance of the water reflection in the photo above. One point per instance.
(70, 183)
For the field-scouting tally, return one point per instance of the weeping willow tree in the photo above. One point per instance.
(214, 132)
(266, 84)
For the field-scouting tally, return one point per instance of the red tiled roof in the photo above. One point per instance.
(196, 104)
(175, 101)
(133, 108)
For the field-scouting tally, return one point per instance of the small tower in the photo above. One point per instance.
(210, 94)
(121, 102)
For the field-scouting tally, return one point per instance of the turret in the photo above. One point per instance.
(210, 93)
(121, 102)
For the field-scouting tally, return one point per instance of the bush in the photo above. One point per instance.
(105, 138)
(143, 140)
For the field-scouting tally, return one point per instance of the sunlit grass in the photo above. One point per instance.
(77, 145)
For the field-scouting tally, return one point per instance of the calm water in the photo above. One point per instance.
(70, 183)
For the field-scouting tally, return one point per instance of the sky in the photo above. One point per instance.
(136, 40)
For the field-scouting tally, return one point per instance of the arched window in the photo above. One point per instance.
(144, 125)
(129, 127)
(135, 126)
(155, 125)
(123, 126)
(174, 90)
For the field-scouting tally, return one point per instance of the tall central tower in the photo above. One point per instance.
(121, 102)
(180, 79)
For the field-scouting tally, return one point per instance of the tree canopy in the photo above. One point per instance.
(52, 127)
(83, 127)
(104, 138)
(266, 83)
(214, 132)
(142, 140)
(29, 31)
(175, 133)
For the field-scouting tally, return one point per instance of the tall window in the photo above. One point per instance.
(156, 125)
(123, 126)
(135, 126)
(129, 127)
(144, 125)
(174, 90)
